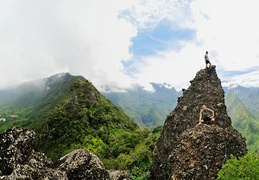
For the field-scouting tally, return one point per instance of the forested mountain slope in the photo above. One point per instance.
(147, 108)
(68, 112)
(243, 121)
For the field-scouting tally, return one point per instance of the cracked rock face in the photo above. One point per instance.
(201, 151)
(82, 164)
(119, 175)
(38, 166)
(175, 146)
(15, 148)
(18, 160)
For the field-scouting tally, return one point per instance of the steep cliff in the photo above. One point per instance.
(185, 150)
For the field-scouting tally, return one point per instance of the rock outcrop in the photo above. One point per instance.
(15, 148)
(186, 150)
(37, 166)
(201, 151)
(18, 160)
(82, 164)
(119, 175)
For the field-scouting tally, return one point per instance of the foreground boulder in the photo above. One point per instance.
(18, 160)
(176, 154)
(82, 164)
(15, 148)
(38, 166)
(119, 175)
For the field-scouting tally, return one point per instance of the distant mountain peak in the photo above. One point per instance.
(59, 75)
(230, 85)
(162, 85)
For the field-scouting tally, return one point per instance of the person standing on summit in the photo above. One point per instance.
(207, 61)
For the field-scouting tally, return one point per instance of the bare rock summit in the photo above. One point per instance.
(186, 150)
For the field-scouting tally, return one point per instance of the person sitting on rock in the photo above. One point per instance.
(206, 115)
(207, 61)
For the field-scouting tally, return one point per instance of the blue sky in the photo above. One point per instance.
(123, 43)
(151, 41)
(163, 37)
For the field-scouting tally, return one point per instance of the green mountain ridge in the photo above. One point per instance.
(242, 107)
(82, 111)
(249, 96)
(147, 108)
(68, 112)
(31, 101)
(243, 121)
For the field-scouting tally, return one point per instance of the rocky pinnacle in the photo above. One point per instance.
(186, 150)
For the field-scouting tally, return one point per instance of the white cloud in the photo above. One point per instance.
(148, 13)
(227, 29)
(231, 29)
(176, 68)
(40, 38)
(247, 80)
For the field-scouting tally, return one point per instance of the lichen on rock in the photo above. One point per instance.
(19, 161)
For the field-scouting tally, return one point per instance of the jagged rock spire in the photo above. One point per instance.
(205, 89)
